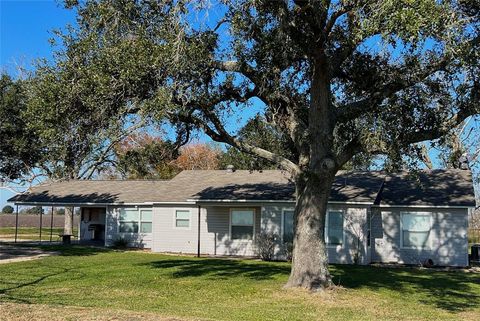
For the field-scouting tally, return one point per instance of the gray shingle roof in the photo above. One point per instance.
(273, 185)
(435, 188)
(92, 191)
(449, 187)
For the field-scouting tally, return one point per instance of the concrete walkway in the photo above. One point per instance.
(11, 253)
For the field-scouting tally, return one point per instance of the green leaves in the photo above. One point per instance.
(19, 148)
(408, 20)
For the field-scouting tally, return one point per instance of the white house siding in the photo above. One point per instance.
(167, 237)
(448, 237)
(143, 240)
(355, 229)
(214, 231)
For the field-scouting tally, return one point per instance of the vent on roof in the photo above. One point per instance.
(230, 168)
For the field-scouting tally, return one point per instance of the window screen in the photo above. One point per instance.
(288, 226)
(334, 228)
(416, 229)
(182, 218)
(242, 224)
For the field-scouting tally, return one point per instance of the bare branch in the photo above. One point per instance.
(348, 151)
(220, 134)
(333, 19)
(372, 103)
(235, 66)
(90, 169)
(425, 157)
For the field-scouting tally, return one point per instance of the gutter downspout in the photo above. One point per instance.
(198, 231)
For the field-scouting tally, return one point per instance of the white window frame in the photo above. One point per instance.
(189, 219)
(282, 224)
(429, 239)
(140, 210)
(326, 229)
(230, 223)
(139, 221)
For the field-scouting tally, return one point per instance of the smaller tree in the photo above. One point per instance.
(36, 210)
(7, 209)
(143, 156)
(198, 156)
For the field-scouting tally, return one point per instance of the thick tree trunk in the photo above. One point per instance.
(68, 226)
(309, 259)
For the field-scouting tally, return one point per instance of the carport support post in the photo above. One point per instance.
(41, 218)
(16, 224)
(51, 226)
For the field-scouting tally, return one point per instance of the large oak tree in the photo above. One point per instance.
(337, 78)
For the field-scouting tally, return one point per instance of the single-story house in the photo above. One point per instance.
(372, 216)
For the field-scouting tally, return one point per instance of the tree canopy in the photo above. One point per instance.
(398, 72)
(19, 148)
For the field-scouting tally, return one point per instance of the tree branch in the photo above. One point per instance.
(333, 19)
(295, 126)
(221, 135)
(348, 151)
(373, 103)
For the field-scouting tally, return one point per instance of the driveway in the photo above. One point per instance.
(12, 253)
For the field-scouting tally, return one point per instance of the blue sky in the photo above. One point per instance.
(25, 28)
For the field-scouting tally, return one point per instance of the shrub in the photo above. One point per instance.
(7, 209)
(288, 251)
(120, 243)
(265, 245)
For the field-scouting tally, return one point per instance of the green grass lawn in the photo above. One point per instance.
(32, 233)
(220, 289)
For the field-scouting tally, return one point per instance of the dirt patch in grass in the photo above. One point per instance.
(28, 312)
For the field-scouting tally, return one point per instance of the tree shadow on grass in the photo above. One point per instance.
(23, 249)
(452, 291)
(222, 268)
(76, 250)
(6, 294)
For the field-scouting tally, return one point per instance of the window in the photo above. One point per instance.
(334, 228)
(182, 218)
(415, 229)
(242, 224)
(288, 226)
(133, 220)
(146, 221)
(128, 221)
